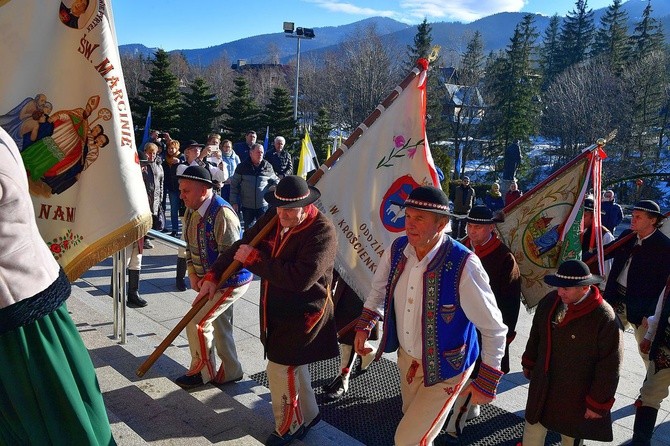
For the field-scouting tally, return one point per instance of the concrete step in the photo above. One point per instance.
(154, 410)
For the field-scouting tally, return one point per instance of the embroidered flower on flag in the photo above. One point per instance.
(401, 147)
(61, 244)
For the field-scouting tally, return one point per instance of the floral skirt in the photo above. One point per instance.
(49, 393)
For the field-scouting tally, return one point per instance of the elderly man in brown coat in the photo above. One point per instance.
(572, 359)
(295, 262)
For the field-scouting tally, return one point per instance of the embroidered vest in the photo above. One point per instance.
(449, 339)
(208, 246)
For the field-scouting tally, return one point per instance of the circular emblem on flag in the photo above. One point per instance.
(391, 215)
(541, 236)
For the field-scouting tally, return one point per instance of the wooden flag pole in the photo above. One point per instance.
(235, 265)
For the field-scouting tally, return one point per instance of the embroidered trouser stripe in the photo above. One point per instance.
(205, 331)
(293, 399)
(425, 409)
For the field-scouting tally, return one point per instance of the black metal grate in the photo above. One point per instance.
(372, 408)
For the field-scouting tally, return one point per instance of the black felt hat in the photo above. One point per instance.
(193, 142)
(197, 173)
(292, 192)
(649, 206)
(427, 198)
(482, 215)
(572, 273)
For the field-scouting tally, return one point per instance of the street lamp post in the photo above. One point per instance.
(300, 33)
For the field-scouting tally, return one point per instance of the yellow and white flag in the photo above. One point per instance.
(386, 162)
(307, 157)
(63, 100)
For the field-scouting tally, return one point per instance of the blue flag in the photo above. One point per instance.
(266, 141)
(147, 126)
(459, 161)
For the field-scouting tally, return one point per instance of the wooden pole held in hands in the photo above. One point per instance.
(232, 268)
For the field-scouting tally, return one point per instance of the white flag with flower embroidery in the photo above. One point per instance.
(63, 100)
(382, 167)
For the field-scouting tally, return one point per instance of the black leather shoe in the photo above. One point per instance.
(337, 389)
(280, 440)
(189, 381)
(311, 424)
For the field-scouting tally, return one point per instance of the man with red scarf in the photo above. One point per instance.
(572, 359)
(505, 280)
(295, 262)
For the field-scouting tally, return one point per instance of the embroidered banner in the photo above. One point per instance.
(388, 160)
(542, 227)
(63, 100)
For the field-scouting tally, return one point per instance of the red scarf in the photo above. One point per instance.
(575, 311)
(487, 248)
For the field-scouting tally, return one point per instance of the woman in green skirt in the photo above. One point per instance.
(49, 393)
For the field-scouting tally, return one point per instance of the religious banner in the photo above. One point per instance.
(542, 227)
(358, 193)
(63, 100)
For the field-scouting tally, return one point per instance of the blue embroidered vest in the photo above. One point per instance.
(449, 339)
(208, 246)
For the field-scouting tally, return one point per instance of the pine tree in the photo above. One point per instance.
(648, 35)
(200, 108)
(436, 128)
(422, 44)
(242, 111)
(576, 35)
(515, 86)
(320, 134)
(472, 63)
(612, 38)
(550, 52)
(278, 115)
(162, 94)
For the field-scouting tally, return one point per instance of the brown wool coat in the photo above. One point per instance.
(296, 312)
(580, 370)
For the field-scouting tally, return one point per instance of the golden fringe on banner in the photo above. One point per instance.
(105, 247)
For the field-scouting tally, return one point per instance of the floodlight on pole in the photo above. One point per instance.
(300, 33)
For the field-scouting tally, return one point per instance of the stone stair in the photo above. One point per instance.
(153, 409)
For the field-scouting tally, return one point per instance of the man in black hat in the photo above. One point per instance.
(505, 280)
(639, 270)
(572, 359)
(433, 295)
(295, 262)
(192, 158)
(210, 227)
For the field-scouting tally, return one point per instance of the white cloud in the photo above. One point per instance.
(348, 8)
(461, 10)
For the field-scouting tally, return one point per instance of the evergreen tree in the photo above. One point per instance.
(576, 35)
(515, 86)
(278, 115)
(472, 63)
(241, 110)
(320, 134)
(436, 128)
(422, 45)
(648, 35)
(550, 52)
(199, 109)
(162, 94)
(612, 38)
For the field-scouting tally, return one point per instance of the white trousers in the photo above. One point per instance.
(212, 327)
(293, 400)
(425, 409)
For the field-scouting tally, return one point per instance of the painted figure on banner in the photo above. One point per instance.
(57, 146)
(71, 15)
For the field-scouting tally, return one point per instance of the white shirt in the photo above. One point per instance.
(623, 275)
(652, 321)
(476, 298)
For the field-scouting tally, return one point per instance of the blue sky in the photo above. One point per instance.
(180, 24)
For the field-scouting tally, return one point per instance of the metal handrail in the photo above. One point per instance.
(119, 284)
